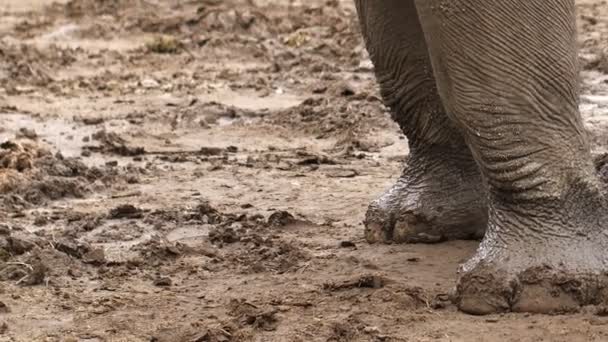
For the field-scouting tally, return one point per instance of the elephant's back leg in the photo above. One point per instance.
(439, 196)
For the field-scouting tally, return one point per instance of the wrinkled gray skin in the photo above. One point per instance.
(487, 93)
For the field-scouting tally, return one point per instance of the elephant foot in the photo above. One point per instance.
(546, 270)
(438, 197)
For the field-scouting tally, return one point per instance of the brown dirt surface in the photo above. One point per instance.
(198, 170)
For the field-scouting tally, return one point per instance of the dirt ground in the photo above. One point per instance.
(198, 170)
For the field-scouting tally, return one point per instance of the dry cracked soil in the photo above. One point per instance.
(198, 170)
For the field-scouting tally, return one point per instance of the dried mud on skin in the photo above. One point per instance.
(198, 171)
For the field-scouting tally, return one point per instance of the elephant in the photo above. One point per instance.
(487, 93)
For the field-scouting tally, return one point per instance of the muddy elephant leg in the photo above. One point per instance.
(507, 72)
(439, 195)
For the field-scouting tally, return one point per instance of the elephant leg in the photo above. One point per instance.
(439, 195)
(507, 73)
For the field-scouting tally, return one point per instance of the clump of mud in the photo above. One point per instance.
(348, 113)
(31, 175)
(112, 143)
(252, 243)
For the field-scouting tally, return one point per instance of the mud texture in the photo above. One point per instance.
(200, 171)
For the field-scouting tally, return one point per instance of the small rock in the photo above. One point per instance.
(365, 65)
(27, 133)
(92, 121)
(3, 328)
(71, 248)
(413, 259)
(321, 89)
(126, 211)
(280, 219)
(343, 89)
(371, 330)
(342, 173)
(149, 83)
(211, 151)
(347, 244)
(163, 281)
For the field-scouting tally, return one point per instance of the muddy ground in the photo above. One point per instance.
(175, 170)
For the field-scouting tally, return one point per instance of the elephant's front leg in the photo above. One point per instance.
(507, 72)
(439, 195)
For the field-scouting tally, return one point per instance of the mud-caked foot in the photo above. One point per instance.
(438, 197)
(554, 277)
